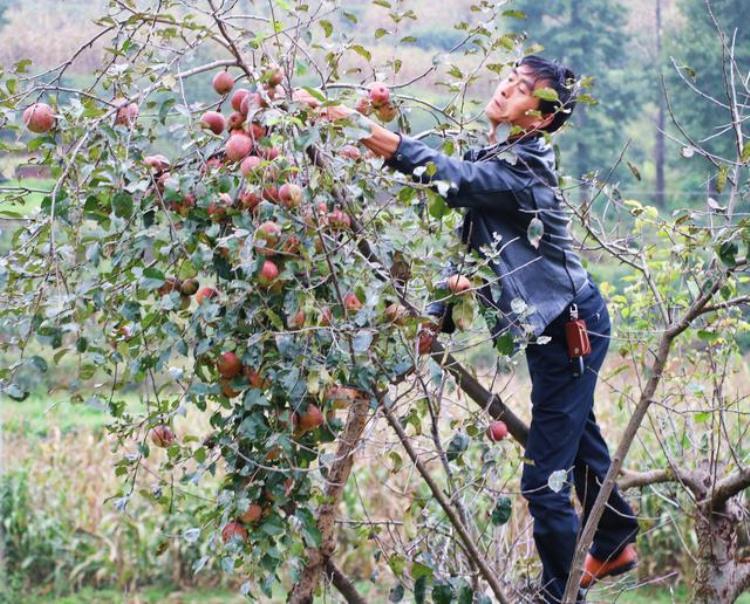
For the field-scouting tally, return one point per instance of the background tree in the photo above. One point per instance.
(592, 39)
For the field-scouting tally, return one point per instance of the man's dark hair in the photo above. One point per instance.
(560, 79)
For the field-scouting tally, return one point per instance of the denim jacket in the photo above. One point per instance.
(501, 197)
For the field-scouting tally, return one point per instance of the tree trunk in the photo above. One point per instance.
(718, 575)
(336, 477)
(659, 150)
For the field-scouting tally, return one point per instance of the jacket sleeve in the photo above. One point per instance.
(480, 184)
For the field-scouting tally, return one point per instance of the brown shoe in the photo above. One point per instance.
(595, 569)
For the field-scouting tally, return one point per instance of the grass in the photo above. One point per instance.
(149, 595)
(40, 413)
(31, 201)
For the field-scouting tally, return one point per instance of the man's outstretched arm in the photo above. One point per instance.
(485, 184)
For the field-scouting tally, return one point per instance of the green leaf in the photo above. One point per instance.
(380, 32)
(459, 443)
(437, 207)
(317, 94)
(38, 363)
(122, 205)
(396, 593)
(442, 593)
(164, 109)
(361, 51)
(504, 344)
(728, 253)
(702, 416)
(397, 461)
(465, 595)
(419, 570)
(420, 590)
(502, 511)
(152, 279)
(535, 231)
(397, 563)
(745, 157)
(187, 270)
(635, 171)
(327, 27)
(546, 94)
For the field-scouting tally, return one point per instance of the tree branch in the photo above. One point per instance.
(338, 474)
(343, 584)
(729, 487)
(470, 546)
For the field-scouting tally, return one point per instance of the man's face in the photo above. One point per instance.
(514, 103)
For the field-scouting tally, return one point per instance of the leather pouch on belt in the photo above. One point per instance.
(577, 338)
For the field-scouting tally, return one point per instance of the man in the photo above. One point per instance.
(501, 198)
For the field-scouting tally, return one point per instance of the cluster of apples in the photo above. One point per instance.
(40, 118)
(378, 101)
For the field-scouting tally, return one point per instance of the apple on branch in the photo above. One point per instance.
(39, 118)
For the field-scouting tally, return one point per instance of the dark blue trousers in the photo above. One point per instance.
(564, 436)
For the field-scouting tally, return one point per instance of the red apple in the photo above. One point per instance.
(339, 220)
(267, 237)
(158, 162)
(343, 396)
(223, 82)
(351, 302)
(218, 209)
(290, 195)
(233, 531)
(254, 378)
(379, 94)
(183, 207)
(127, 113)
(326, 317)
(309, 420)
(497, 430)
(214, 121)
(256, 131)
(269, 153)
(252, 514)
(227, 389)
(291, 245)
(235, 121)
(249, 200)
(297, 320)
(458, 284)
(273, 76)
(229, 365)
(269, 272)
(387, 112)
(39, 118)
(425, 339)
(271, 193)
(363, 105)
(250, 164)
(238, 146)
(205, 293)
(350, 152)
(238, 96)
(162, 436)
